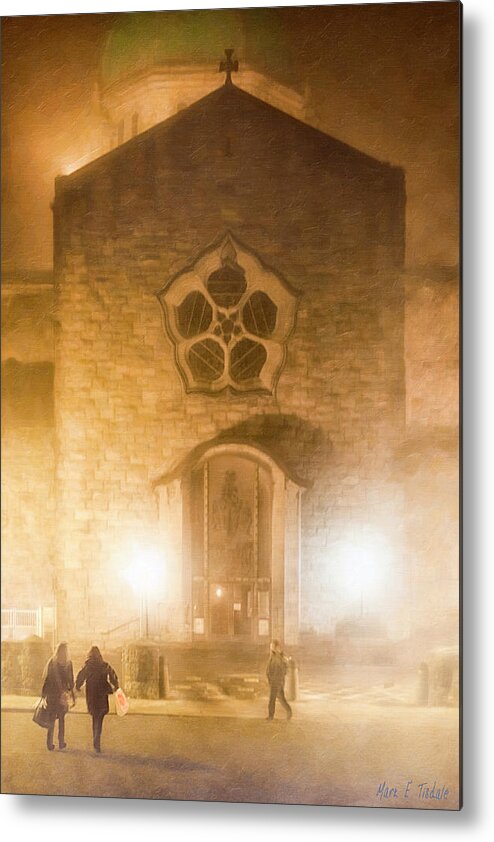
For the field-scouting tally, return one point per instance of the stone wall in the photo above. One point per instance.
(432, 350)
(329, 220)
(23, 664)
(28, 444)
(27, 517)
(430, 457)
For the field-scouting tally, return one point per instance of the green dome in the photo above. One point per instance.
(149, 39)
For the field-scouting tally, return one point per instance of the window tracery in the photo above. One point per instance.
(229, 318)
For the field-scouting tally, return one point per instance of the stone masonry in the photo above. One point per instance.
(326, 217)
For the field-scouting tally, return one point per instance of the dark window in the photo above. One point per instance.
(247, 359)
(206, 360)
(27, 394)
(194, 315)
(227, 285)
(259, 314)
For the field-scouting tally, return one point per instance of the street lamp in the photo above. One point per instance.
(144, 574)
(362, 568)
(361, 574)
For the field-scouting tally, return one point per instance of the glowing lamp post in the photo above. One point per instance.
(361, 574)
(363, 570)
(144, 575)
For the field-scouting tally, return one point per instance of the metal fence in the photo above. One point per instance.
(19, 623)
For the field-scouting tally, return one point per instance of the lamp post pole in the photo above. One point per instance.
(144, 617)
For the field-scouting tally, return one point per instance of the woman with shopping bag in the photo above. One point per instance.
(121, 703)
(101, 681)
(58, 691)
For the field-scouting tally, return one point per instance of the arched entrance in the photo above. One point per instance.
(231, 498)
(231, 520)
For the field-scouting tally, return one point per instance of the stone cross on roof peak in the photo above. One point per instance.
(228, 66)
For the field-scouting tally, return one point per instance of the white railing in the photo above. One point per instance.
(18, 623)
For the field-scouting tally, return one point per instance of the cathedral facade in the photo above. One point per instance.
(229, 370)
(230, 423)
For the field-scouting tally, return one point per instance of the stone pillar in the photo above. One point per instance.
(141, 673)
(292, 563)
(278, 556)
(171, 533)
(285, 559)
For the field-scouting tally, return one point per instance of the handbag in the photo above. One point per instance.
(121, 703)
(41, 715)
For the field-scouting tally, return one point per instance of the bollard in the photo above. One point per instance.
(423, 684)
(292, 681)
(164, 678)
(140, 661)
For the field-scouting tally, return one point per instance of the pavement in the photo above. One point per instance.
(351, 753)
(357, 737)
(192, 696)
(311, 703)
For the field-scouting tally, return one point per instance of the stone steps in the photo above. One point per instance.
(237, 686)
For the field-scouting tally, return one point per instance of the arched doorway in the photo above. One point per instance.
(231, 514)
(231, 521)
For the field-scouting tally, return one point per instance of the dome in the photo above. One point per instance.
(144, 40)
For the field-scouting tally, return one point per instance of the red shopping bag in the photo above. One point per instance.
(121, 703)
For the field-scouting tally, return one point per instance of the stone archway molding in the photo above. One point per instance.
(175, 513)
(250, 447)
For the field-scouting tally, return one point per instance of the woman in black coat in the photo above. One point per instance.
(101, 681)
(58, 688)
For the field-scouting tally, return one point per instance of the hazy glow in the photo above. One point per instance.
(362, 568)
(219, 592)
(145, 572)
(51, 110)
(70, 165)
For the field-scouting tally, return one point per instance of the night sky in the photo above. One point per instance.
(383, 78)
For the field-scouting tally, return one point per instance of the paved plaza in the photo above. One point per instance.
(330, 753)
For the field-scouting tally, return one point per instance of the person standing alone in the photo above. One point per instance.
(276, 672)
(101, 681)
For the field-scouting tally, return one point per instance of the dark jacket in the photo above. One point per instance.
(101, 680)
(57, 680)
(276, 669)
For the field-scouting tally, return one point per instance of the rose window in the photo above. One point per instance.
(259, 314)
(227, 285)
(229, 317)
(194, 315)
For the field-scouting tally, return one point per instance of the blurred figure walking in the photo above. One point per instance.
(276, 672)
(101, 681)
(58, 690)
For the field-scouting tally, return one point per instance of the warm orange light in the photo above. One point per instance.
(363, 567)
(66, 167)
(145, 572)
